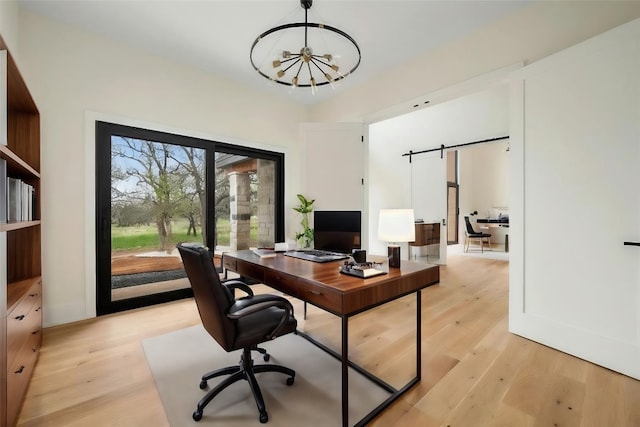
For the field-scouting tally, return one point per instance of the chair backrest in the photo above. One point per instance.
(470, 229)
(212, 298)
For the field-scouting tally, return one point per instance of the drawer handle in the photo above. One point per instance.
(315, 292)
(38, 309)
(35, 332)
(19, 317)
(19, 371)
(33, 295)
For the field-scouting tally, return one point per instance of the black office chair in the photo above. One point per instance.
(223, 274)
(235, 323)
(471, 234)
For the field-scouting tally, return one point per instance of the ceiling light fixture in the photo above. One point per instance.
(299, 66)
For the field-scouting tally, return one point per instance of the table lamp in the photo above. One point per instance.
(395, 226)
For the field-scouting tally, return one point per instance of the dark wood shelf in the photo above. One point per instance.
(11, 226)
(21, 300)
(15, 165)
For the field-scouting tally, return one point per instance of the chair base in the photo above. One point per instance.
(265, 356)
(245, 370)
(480, 238)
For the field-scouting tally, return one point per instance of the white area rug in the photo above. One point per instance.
(178, 360)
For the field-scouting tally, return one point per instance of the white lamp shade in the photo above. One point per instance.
(396, 225)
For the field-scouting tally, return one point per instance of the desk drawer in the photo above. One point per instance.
(282, 282)
(303, 290)
(229, 263)
(250, 270)
(321, 297)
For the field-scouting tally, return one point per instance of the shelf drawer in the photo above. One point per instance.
(24, 321)
(19, 373)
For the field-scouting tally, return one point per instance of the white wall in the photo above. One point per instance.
(529, 35)
(76, 77)
(9, 27)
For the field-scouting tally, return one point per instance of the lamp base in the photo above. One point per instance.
(394, 256)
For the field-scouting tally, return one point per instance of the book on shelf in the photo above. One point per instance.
(3, 191)
(19, 200)
(14, 202)
(265, 252)
(28, 194)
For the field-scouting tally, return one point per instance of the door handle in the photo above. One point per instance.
(632, 243)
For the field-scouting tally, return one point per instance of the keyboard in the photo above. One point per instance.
(317, 255)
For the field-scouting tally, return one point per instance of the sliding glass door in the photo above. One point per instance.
(155, 189)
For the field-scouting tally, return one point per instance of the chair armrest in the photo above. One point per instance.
(238, 284)
(247, 306)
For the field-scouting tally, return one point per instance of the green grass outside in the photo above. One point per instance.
(146, 236)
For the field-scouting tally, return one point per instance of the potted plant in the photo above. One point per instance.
(305, 207)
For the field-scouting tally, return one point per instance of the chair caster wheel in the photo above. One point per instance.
(266, 357)
(203, 385)
(290, 381)
(197, 416)
(264, 417)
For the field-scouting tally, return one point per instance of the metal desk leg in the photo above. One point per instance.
(419, 334)
(345, 371)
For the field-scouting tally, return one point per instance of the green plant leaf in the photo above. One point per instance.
(305, 207)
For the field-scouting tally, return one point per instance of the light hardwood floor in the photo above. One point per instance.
(475, 373)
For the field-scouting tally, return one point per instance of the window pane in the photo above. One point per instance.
(245, 202)
(157, 200)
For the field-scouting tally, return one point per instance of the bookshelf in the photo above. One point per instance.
(20, 243)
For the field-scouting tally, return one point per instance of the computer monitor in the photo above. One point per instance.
(337, 231)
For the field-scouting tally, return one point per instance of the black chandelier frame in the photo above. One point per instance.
(318, 61)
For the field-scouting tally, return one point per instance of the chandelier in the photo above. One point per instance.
(296, 63)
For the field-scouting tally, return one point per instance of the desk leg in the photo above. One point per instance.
(345, 371)
(419, 334)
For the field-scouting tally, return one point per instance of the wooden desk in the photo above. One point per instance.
(322, 285)
(495, 223)
(489, 222)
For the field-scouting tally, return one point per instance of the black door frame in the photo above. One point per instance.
(104, 132)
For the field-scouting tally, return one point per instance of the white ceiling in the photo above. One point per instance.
(216, 35)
